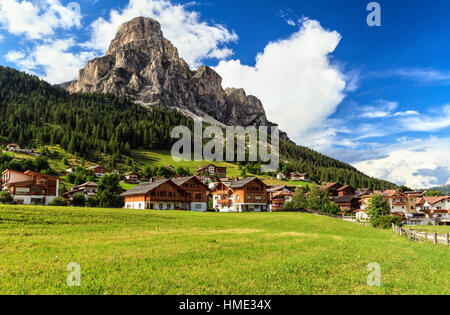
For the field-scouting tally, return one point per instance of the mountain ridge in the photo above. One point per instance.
(141, 63)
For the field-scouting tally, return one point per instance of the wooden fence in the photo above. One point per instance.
(422, 236)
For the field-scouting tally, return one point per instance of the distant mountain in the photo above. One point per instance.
(445, 189)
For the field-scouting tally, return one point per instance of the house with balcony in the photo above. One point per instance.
(346, 190)
(89, 189)
(399, 203)
(296, 177)
(432, 203)
(244, 195)
(332, 189)
(98, 170)
(212, 171)
(283, 176)
(279, 199)
(132, 178)
(347, 203)
(15, 148)
(30, 188)
(157, 195)
(197, 192)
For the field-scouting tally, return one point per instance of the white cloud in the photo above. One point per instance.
(59, 65)
(195, 40)
(422, 75)
(295, 81)
(381, 109)
(385, 109)
(418, 163)
(14, 56)
(36, 19)
(428, 123)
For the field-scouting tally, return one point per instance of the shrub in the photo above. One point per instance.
(59, 202)
(385, 222)
(92, 202)
(289, 205)
(78, 200)
(377, 207)
(6, 198)
(330, 208)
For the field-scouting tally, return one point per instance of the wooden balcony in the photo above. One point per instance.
(225, 202)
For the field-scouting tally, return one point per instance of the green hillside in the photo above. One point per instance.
(109, 129)
(445, 189)
(136, 252)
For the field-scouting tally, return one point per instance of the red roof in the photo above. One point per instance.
(329, 185)
(434, 200)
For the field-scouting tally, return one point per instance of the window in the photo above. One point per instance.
(258, 198)
(198, 196)
(198, 206)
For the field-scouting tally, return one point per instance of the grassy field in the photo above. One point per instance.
(137, 252)
(164, 158)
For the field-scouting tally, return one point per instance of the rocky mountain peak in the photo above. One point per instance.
(143, 64)
(139, 28)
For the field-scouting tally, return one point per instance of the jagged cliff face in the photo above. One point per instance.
(141, 63)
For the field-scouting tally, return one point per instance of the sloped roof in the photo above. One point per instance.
(90, 184)
(329, 185)
(144, 188)
(434, 200)
(420, 201)
(183, 180)
(241, 182)
(343, 199)
(92, 167)
(345, 187)
(390, 193)
(281, 194)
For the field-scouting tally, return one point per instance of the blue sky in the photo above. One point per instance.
(376, 97)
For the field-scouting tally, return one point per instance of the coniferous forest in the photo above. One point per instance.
(33, 113)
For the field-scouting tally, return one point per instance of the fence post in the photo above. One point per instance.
(448, 240)
(393, 227)
(435, 238)
(426, 236)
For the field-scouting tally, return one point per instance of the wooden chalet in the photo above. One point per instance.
(159, 195)
(243, 195)
(197, 192)
(30, 187)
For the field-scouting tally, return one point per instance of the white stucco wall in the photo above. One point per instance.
(199, 206)
(135, 205)
(28, 200)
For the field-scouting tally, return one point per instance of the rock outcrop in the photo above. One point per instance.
(143, 64)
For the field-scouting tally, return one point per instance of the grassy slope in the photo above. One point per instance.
(139, 252)
(433, 229)
(143, 158)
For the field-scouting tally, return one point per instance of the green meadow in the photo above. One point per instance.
(443, 229)
(149, 252)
